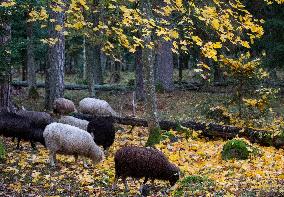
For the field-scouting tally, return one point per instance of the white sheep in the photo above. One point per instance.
(76, 122)
(70, 140)
(96, 107)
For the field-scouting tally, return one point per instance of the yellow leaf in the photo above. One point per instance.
(215, 24)
(58, 27)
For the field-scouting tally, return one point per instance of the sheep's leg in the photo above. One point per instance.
(52, 158)
(141, 187)
(114, 183)
(85, 162)
(125, 184)
(33, 145)
(18, 143)
(76, 158)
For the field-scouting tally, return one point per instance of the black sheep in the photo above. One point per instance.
(139, 162)
(40, 119)
(16, 126)
(103, 131)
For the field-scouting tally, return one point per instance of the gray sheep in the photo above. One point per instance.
(76, 122)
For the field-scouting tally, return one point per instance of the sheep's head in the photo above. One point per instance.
(175, 174)
(97, 154)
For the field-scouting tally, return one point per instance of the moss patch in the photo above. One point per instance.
(154, 137)
(238, 149)
(2, 151)
(194, 186)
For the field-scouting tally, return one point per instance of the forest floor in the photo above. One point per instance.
(25, 173)
(28, 173)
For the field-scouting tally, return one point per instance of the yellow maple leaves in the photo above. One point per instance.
(194, 156)
(209, 50)
(7, 3)
(38, 15)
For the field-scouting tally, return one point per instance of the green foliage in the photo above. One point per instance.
(272, 41)
(183, 130)
(194, 185)
(167, 134)
(2, 151)
(238, 149)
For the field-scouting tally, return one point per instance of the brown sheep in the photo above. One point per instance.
(63, 106)
(139, 162)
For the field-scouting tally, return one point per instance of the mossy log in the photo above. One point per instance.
(78, 86)
(263, 137)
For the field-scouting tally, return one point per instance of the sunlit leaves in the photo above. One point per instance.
(49, 41)
(40, 15)
(7, 3)
(209, 50)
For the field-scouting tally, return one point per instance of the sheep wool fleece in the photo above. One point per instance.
(70, 140)
(82, 124)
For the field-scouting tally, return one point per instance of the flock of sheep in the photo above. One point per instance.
(72, 136)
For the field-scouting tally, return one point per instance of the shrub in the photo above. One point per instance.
(194, 186)
(2, 151)
(238, 149)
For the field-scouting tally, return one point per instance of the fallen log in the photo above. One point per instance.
(262, 137)
(78, 86)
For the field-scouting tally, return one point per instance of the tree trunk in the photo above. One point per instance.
(103, 59)
(93, 53)
(139, 91)
(5, 69)
(90, 68)
(24, 55)
(165, 65)
(84, 59)
(218, 75)
(31, 69)
(180, 74)
(56, 56)
(98, 66)
(149, 82)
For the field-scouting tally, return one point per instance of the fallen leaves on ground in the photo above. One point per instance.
(28, 173)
